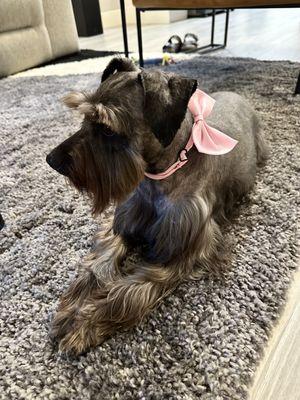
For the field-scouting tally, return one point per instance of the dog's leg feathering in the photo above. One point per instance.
(86, 284)
(117, 291)
(111, 301)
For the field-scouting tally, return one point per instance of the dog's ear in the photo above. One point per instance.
(164, 114)
(75, 100)
(118, 64)
(97, 112)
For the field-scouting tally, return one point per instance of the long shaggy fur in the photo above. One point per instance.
(124, 169)
(162, 232)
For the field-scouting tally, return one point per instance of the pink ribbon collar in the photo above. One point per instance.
(207, 140)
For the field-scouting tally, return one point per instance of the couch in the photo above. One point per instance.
(35, 31)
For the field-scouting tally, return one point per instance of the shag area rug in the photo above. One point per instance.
(85, 65)
(205, 340)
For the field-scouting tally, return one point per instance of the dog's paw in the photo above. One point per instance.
(75, 343)
(75, 330)
(80, 339)
(61, 324)
(70, 305)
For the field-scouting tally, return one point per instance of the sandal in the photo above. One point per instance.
(190, 42)
(173, 45)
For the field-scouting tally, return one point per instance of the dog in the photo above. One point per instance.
(135, 126)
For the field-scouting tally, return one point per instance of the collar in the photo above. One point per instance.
(205, 138)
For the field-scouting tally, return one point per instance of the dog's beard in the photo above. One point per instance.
(106, 175)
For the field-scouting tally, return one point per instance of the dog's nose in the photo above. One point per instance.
(58, 163)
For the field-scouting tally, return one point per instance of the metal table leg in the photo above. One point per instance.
(226, 27)
(297, 88)
(212, 35)
(139, 33)
(124, 27)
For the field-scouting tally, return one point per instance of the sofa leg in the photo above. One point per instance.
(297, 88)
(124, 27)
(139, 33)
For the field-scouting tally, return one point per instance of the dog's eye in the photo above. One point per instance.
(106, 131)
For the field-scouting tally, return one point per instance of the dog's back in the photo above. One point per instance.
(230, 176)
(233, 115)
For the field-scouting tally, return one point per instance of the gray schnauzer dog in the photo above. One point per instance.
(164, 231)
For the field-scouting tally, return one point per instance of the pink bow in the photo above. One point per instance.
(207, 140)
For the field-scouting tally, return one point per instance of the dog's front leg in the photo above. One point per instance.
(119, 303)
(118, 295)
(111, 293)
(102, 265)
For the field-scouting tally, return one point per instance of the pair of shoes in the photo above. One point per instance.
(175, 44)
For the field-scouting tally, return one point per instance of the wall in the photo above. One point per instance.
(110, 13)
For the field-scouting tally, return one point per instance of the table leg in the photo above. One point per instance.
(124, 27)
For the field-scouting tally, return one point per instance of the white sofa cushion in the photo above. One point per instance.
(60, 23)
(23, 48)
(35, 31)
(17, 14)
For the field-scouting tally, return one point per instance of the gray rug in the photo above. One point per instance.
(205, 340)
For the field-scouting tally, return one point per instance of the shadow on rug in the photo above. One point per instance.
(205, 340)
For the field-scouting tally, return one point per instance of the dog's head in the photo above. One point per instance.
(131, 114)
